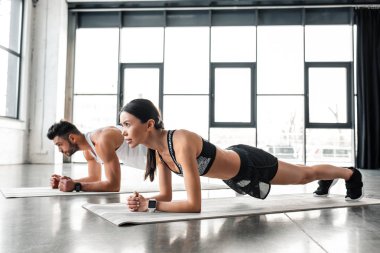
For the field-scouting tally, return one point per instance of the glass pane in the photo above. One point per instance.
(356, 122)
(90, 114)
(9, 83)
(280, 126)
(186, 60)
(142, 45)
(233, 44)
(328, 95)
(141, 83)
(96, 61)
(232, 95)
(355, 59)
(225, 137)
(333, 146)
(179, 112)
(10, 24)
(328, 43)
(280, 60)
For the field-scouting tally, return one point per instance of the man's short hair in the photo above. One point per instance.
(62, 129)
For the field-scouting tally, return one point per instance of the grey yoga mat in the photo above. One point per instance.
(26, 192)
(118, 213)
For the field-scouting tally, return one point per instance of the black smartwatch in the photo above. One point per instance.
(77, 187)
(152, 204)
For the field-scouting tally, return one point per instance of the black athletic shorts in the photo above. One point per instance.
(257, 169)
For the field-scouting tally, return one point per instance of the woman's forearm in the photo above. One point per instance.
(179, 207)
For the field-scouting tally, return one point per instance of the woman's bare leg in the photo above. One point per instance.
(299, 174)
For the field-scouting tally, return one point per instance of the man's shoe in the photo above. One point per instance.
(354, 186)
(324, 187)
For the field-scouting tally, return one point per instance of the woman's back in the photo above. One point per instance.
(225, 164)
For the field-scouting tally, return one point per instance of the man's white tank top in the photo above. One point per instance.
(133, 157)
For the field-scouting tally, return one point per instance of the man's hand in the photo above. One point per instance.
(137, 203)
(66, 184)
(54, 181)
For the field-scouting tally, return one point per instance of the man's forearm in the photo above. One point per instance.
(100, 186)
(87, 180)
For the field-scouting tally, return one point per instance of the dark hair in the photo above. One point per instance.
(62, 129)
(144, 110)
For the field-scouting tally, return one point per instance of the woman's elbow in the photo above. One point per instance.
(113, 187)
(195, 209)
(167, 197)
(116, 189)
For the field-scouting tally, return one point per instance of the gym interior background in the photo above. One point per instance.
(298, 79)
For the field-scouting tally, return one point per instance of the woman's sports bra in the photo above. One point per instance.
(205, 158)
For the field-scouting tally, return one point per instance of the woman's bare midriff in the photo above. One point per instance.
(226, 165)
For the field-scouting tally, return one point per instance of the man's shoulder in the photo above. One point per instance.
(108, 132)
(108, 136)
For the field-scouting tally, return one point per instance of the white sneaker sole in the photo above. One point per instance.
(328, 192)
(353, 200)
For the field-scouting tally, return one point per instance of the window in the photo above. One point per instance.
(328, 43)
(280, 88)
(329, 146)
(233, 76)
(142, 45)
(332, 108)
(280, 126)
(233, 44)
(96, 61)
(186, 76)
(186, 60)
(225, 137)
(232, 94)
(277, 79)
(329, 93)
(280, 60)
(188, 112)
(96, 79)
(141, 81)
(10, 56)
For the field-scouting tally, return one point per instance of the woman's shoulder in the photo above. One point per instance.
(185, 134)
(186, 138)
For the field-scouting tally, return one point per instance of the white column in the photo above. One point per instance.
(47, 79)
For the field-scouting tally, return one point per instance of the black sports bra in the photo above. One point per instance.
(204, 160)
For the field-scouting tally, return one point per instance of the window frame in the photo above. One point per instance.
(19, 57)
(120, 88)
(349, 98)
(253, 97)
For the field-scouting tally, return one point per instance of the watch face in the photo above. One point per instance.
(78, 187)
(152, 204)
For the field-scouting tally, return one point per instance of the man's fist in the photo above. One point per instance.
(66, 184)
(54, 181)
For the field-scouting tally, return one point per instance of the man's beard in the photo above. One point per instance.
(73, 148)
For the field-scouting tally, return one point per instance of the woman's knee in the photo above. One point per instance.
(309, 175)
(293, 174)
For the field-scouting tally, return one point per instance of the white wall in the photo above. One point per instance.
(13, 145)
(48, 76)
(43, 73)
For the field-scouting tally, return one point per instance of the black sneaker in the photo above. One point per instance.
(354, 186)
(324, 187)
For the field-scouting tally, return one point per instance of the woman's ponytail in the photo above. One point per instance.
(150, 165)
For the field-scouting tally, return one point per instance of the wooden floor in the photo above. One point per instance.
(60, 224)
